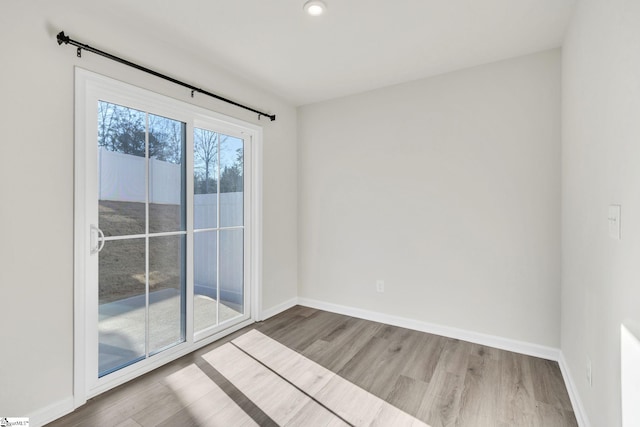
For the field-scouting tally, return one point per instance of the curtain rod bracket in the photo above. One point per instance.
(63, 38)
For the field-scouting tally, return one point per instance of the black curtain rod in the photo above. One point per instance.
(62, 38)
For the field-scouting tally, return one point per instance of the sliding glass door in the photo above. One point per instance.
(164, 252)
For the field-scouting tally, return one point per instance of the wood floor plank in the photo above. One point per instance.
(186, 386)
(346, 400)
(300, 310)
(486, 351)
(553, 416)
(128, 423)
(423, 360)
(280, 324)
(300, 334)
(390, 416)
(313, 328)
(293, 367)
(243, 401)
(214, 408)
(408, 394)
(377, 366)
(335, 354)
(126, 408)
(348, 324)
(110, 399)
(314, 415)
(517, 399)
(455, 356)
(480, 396)
(158, 411)
(364, 369)
(441, 405)
(548, 384)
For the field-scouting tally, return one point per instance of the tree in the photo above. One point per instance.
(205, 153)
(124, 130)
(105, 124)
(231, 179)
(121, 129)
(166, 139)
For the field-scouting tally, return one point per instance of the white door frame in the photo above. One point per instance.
(88, 86)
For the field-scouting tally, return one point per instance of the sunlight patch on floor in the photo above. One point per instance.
(293, 390)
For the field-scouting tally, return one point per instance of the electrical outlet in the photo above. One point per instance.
(614, 221)
(589, 377)
(380, 285)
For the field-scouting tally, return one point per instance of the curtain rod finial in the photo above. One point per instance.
(62, 38)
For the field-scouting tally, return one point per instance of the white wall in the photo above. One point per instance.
(36, 169)
(448, 189)
(600, 166)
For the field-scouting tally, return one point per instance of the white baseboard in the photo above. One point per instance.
(576, 402)
(270, 312)
(52, 412)
(522, 347)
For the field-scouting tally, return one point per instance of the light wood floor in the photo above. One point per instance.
(308, 367)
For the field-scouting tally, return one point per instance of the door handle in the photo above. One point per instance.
(98, 243)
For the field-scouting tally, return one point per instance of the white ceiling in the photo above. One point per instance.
(358, 45)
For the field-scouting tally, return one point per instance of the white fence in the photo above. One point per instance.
(122, 178)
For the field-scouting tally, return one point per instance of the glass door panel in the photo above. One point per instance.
(142, 213)
(219, 228)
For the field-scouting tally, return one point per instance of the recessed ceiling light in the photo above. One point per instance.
(315, 7)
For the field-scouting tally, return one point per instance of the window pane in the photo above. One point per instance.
(167, 172)
(121, 169)
(231, 274)
(167, 287)
(205, 266)
(122, 304)
(231, 181)
(205, 178)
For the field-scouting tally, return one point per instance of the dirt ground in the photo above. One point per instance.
(122, 262)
